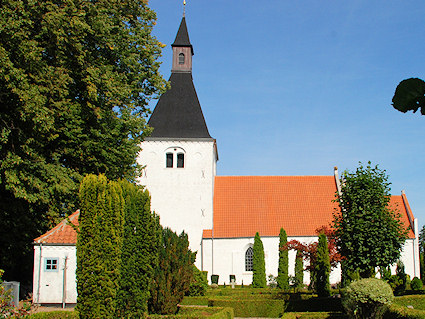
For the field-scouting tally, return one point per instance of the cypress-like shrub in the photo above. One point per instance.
(367, 298)
(139, 255)
(199, 284)
(173, 274)
(101, 224)
(258, 264)
(282, 273)
(299, 270)
(322, 267)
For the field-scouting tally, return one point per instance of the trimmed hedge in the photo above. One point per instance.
(60, 314)
(251, 307)
(314, 315)
(195, 301)
(307, 303)
(198, 312)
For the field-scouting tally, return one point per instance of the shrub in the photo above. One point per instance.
(258, 264)
(282, 273)
(6, 309)
(54, 315)
(416, 284)
(251, 307)
(298, 280)
(398, 282)
(173, 275)
(367, 298)
(199, 285)
(322, 267)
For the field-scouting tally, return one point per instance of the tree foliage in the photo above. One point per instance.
(258, 264)
(367, 298)
(322, 267)
(282, 273)
(410, 96)
(75, 80)
(368, 232)
(299, 270)
(422, 252)
(173, 275)
(99, 260)
(139, 254)
(309, 252)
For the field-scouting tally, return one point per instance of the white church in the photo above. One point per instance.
(220, 214)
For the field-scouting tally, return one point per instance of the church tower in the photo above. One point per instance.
(180, 156)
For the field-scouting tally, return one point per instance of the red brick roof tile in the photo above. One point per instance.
(244, 205)
(63, 233)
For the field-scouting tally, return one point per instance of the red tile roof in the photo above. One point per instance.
(244, 205)
(63, 233)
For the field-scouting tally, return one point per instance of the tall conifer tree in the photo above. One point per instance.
(99, 244)
(258, 264)
(299, 270)
(322, 267)
(282, 275)
(139, 253)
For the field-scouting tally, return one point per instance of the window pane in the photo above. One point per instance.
(248, 259)
(169, 160)
(180, 160)
(51, 264)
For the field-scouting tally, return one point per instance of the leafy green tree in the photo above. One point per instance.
(99, 260)
(282, 273)
(258, 264)
(139, 254)
(410, 96)
(173, 275)
(368, 233)
(299, 270)
(322, 267)
(75, 80)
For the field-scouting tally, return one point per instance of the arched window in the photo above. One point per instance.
(248, 259)
(181, 58)
(175, 157)
(180, 160)
(169, 159)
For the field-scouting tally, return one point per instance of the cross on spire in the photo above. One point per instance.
(184, 8)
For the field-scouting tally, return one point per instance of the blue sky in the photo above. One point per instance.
(298, 87)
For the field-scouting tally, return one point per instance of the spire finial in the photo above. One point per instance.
(184, 8)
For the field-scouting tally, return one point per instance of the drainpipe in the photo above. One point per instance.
(39, 275)
(64, 283)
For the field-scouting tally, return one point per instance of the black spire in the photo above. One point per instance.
(182, 37)
(178, 113)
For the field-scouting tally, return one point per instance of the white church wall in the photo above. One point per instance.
(229, 258)
(410, 259)
(182, 197)
(48, 281)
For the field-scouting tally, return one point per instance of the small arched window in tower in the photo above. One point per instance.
(248, 259)
(169, 159)
(181, 58)
(180, 160)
